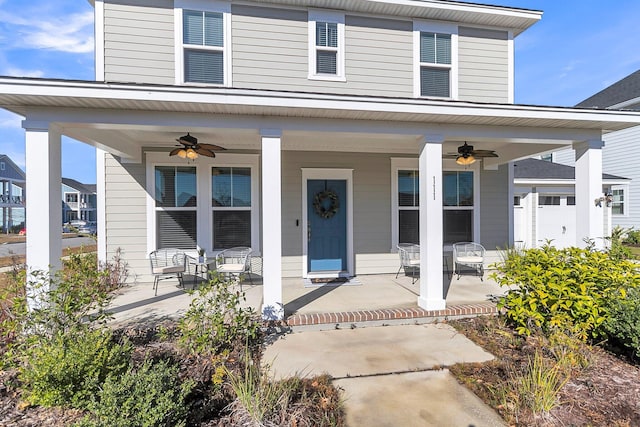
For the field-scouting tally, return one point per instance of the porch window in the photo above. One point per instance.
(175, 201)
(231, 206)
(458, 204)
(617, 205)
(326, 45)
(549, 201)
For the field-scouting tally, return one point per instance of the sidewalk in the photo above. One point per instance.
(391, 376)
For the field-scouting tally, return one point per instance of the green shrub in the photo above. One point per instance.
(562, 288)
(68, 368)
(215, 320)
(150, 396)
(623, 324)
(632, 237)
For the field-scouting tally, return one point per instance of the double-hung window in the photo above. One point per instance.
(231, 206)
(202, 42)
(435, 53)
(326, 45)
(458, 205)
(408, 206)
(175, 205)
(618, 202)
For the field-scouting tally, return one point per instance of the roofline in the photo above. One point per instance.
(16, 167)
(560, 181)
(624, 104)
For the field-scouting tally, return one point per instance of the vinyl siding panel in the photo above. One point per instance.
(139, 41)
(567, 157)
(483, 72)
(126, 220)
(615, 160)
(270, 51)
(494, 208)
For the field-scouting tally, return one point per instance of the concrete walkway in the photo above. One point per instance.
(391, 376)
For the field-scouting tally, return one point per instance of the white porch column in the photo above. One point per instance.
(272, 305)
(589, 216)
(431, 238)
(44, 209)
(101, 217)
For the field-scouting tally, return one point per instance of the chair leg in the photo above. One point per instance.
(155, 285)
(398, 272)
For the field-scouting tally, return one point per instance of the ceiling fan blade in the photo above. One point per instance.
(184, 143)
(212, 147)
(485, 153)
(450, 155)
(175, 151)
(204, 152)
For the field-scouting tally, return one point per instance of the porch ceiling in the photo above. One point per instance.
(124, 118)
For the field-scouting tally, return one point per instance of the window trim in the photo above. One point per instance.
(406, 163)
(231, 208)
(179, 47)
(625, 202)
(204, 211)
(331, 17)
(420, 26)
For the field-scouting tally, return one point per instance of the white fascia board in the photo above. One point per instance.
(224, 96)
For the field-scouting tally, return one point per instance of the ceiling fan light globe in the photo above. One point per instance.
(191, 154)
(182, 153)
(465, 160)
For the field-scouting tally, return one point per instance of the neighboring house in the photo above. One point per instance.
(338, 126)
(545, 204)
(619, 148)
(12, 195)
(78, 201)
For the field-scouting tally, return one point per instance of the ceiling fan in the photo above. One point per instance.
(466, 155)
(190, 149)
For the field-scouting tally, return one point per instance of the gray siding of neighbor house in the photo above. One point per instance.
(139, 41)
(565, 156)
(371, 208)
(126, 216)
(494, 208)
(483, 74)
(615, 160)
(270, 51)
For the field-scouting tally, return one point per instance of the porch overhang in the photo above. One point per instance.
(106, 114)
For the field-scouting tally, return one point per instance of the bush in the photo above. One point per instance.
(632, 237)
(562, 288)
(150, 396)
(215, 320)
(623, 325)
(69, 368)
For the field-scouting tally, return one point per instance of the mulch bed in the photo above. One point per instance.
(605, 393)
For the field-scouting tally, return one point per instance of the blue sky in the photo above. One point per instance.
(577, 49)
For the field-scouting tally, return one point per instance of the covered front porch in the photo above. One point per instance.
(277, 144)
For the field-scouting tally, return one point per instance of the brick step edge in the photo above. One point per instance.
(390, 314)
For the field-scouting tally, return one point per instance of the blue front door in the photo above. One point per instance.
(327, 225)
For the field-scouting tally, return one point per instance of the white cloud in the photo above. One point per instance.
(17, 72)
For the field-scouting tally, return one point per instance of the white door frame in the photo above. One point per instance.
(325, 173)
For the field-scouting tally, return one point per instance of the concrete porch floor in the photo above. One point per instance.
(372, 298)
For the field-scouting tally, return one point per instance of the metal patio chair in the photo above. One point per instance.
(235, 262)
(409, 259)
(468, 254)
(167, 263)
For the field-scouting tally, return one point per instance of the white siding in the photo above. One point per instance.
(566, 156)
(615, 160)
(139, 41)
(270, 51)
(483, 74)
(126, 220)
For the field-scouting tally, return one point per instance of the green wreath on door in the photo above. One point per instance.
(320, 207)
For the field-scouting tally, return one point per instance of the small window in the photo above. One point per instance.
(571, 200)
(516, 200)
(435, 64)
(617, 204)
(549, 201)
(71, 197)
(2, 166)
(203, 41)
(326, 45)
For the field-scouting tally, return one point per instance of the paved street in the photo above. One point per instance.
(9, 249)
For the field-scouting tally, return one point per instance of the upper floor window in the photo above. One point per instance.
(326, 45)
(435, 51)
(71, 197)
(202, 43)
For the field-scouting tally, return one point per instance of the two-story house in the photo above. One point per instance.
(12, 195)
(349, 127)
(78, 201)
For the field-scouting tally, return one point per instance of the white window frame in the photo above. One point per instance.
(405, 163)
(204, 211)
(331, 17)
(438, 28)
(625, 202)
(203, 6)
